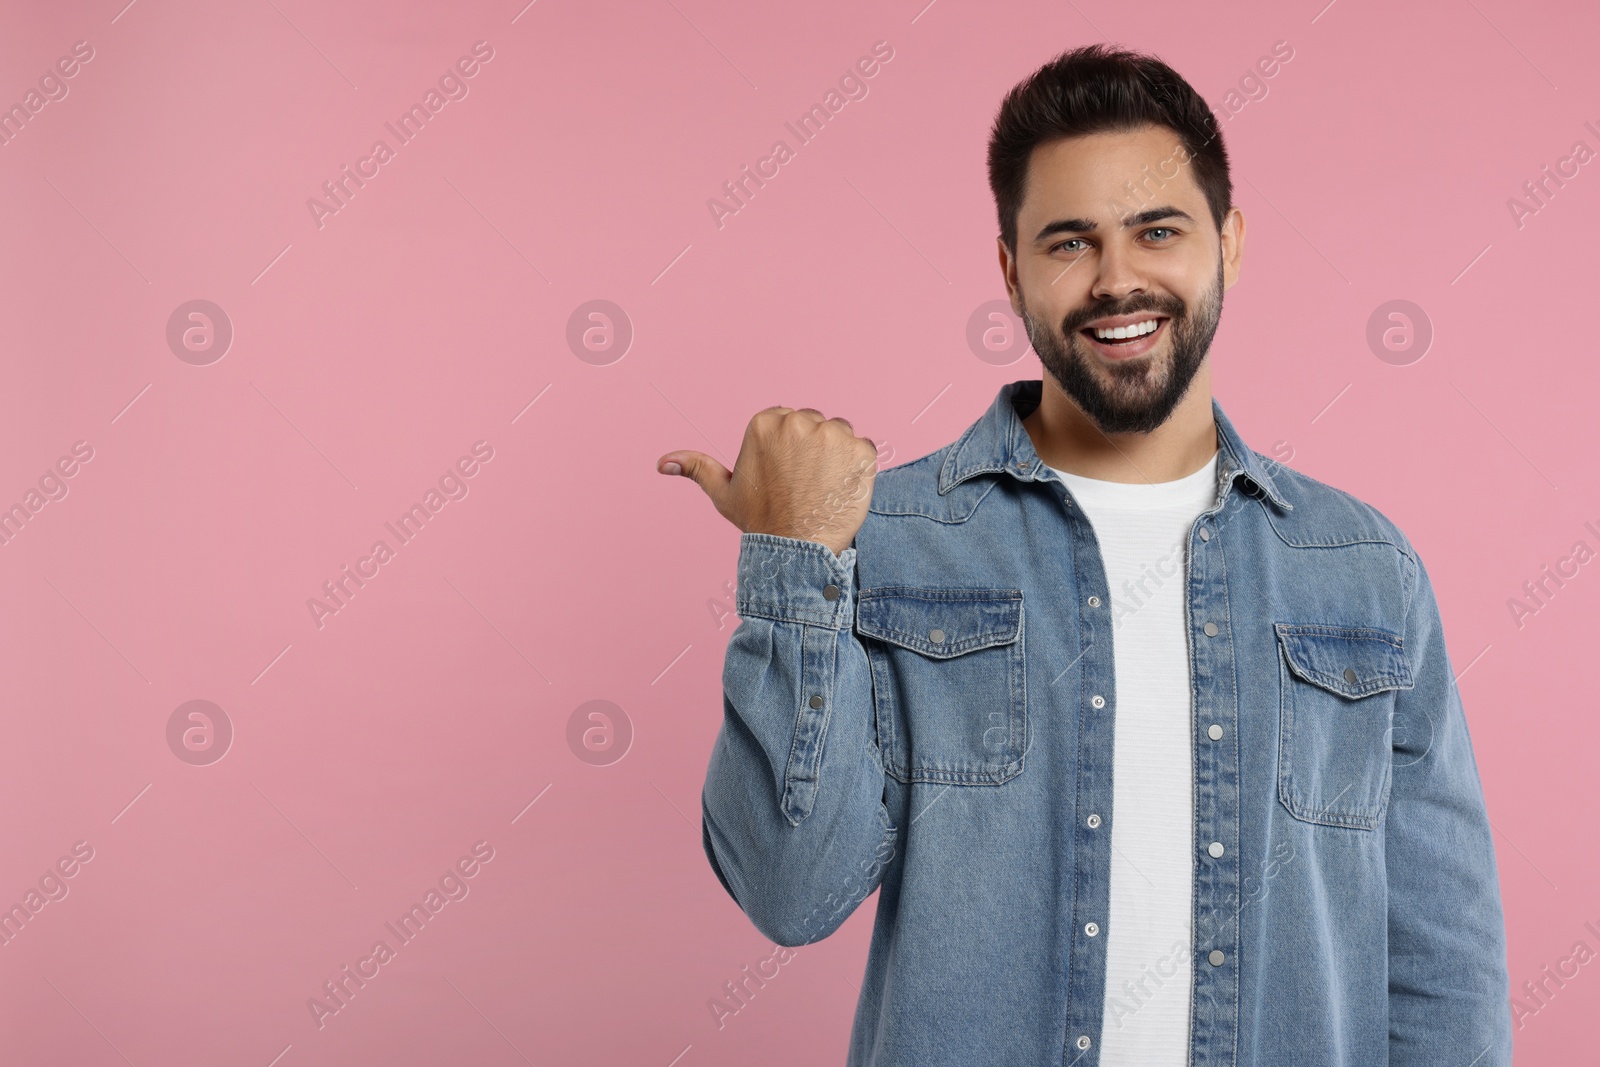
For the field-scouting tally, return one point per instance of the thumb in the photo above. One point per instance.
(710, 475)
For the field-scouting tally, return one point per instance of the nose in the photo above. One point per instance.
(1118, 276)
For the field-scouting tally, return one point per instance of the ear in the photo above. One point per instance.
(1008, 271)
(1232, 246)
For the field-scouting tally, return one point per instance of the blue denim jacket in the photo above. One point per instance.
(931, 714)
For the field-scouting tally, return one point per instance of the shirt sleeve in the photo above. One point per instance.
(793, 819)
(1449, 991)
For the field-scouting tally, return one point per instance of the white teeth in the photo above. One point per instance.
(1136, 330)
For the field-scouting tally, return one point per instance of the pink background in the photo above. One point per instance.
(428, 313)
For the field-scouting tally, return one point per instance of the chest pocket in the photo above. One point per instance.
(1336, 717)
(948, 681)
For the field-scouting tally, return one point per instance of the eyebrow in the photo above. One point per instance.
(1140, 218)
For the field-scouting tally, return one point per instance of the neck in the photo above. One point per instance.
(1066, 438)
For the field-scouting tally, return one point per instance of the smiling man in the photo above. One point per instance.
(1151, 744)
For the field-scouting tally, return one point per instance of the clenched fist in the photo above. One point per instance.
(798, 475)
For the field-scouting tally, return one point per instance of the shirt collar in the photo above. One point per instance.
(998, 442)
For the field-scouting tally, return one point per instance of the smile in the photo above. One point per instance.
(1125, 342)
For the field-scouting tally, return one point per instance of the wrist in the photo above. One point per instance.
(795, 580)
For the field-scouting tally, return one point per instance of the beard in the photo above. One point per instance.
(1138, 395)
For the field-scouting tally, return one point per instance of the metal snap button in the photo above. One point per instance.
(1093, 821)
(816, 700)
(1214, 732)
(1211, 629)
(1098, 701)
(1216, 957)
(830, 592)
(1094, 602)
(1091, 928)
(1215, 848)
(1349, 675)
(936, 636)
(1205, 533)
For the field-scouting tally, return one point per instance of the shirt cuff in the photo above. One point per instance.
(790, 580)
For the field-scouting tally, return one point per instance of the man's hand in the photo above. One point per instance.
(798, 475)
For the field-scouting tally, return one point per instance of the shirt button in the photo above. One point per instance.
(1091, 928)
(1349, 675)
(1215, 848)
(1083, 1041)
(1093, 821)
(936, 636)
(1098, 701)
(1214, 732)
(1094, 602)
(1216, 957)
(816, 700)
(1211, 629)
(830, 592)
(1205, 533)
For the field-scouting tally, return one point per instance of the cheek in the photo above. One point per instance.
(1056, 291)
(1194, 282)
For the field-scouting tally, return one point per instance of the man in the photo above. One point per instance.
(1151, 744)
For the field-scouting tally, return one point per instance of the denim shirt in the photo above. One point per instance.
(931, 714)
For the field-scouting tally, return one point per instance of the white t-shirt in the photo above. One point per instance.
(1142, 530)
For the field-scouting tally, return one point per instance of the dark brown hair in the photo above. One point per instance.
(1100, 88)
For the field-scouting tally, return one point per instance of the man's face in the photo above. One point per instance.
(1094, 253)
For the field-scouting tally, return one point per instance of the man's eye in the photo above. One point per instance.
(1068, 241)
(1160, 229)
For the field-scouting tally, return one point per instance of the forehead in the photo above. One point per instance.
(1083, 176)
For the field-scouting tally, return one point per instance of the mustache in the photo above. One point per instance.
(1171, 307)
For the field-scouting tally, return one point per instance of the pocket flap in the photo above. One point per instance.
(940, 622)
(1352, 661)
